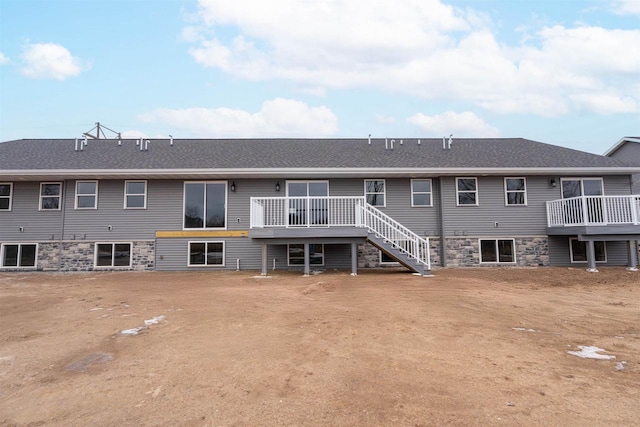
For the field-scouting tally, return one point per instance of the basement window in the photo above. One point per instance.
(296, 254)
(18, 255)
(497, 250)
(113, 255)
(578, 251)
(203, 254)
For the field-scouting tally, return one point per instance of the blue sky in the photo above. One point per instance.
(562, 72)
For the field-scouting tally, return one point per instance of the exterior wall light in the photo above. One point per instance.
(233, 186)
(277, 186)
(553, 183)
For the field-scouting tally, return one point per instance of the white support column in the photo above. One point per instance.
(264, 259)
(591, 257)
(307, 269)
(633, 256)
(354, 259)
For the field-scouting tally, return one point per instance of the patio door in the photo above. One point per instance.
(308, 203)
(594, 206)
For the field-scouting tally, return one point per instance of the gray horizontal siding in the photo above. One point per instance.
(172, 255)
(37, 225)
(559, 255)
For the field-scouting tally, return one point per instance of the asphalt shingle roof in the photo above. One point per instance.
(59, 154)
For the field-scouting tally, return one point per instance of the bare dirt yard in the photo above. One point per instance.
(385, 348)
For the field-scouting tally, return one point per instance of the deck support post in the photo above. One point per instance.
(591, 257)
(633, 256)
(354, 259)
(264, 259)
(307, 269)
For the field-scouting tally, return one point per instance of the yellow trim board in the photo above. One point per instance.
(203, 233)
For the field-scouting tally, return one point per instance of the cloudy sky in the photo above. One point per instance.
(563, 72)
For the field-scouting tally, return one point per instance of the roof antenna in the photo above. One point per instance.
(100, 132)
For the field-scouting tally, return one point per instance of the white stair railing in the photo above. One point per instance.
(399, 236)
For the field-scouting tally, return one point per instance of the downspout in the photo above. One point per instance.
(443, 243)
(63, 206)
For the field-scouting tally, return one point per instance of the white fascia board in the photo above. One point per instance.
(281, 173)
(619, 144)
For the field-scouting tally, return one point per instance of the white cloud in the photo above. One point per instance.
(420, 47)
(50, 61)
(465, 124)
(133, 134)
(626, 7)
(3, 59)
(277, 118)
(381, 118)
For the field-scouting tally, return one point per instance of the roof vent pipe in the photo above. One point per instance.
(369, 139)
(400, 142)
(76, 146)
(85, 140)
(146, 145)
(450, 141)
(392, 141)
(141, 143)
(171, 140)
(386, 144)
(418, 141)
(119, 142)
(137, 142)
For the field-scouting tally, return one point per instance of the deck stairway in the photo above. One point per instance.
(385, 233)
(394, 239)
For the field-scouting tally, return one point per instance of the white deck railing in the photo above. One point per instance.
(330, 211)
(594, 210)
(399, 236)
(334, 211)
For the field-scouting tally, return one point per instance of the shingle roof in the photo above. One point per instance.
(293, 154)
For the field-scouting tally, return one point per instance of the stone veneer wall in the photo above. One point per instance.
(465, 252)
(368, 255)
(79, 256)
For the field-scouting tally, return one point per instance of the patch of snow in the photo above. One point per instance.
(96, 309)
(591, 352)
(524, 329)
(134, 331)
(154, 320)
(620, 366)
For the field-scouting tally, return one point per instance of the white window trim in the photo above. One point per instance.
(581, 179)
(305, 181)
(495, 239)
(571, 239)
(226, 203)
(506, 192)
(20, 244)
(224, 254)
(113, 252)
(59, 196)
(10, 184)
(430, 193)
(384, 192)
(95, 205)
(476, 191)
(386, 262)
(298, 265)
(135, 194)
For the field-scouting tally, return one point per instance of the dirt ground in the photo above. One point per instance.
(385, 348)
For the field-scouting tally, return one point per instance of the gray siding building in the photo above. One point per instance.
(303, 204)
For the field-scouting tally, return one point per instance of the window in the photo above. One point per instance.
(467, 191)
(206, 254)
(135, 194)
(6, 191)
(113, 255)
(205, 204)
(497, 250)
(19, 255)
(576, 187)
(86, 194)
(386, 259)
(296, 254)
(308, 202)
(374, 192)
(578, 251)
(50, 194)
(420, 192)
(515, 191)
